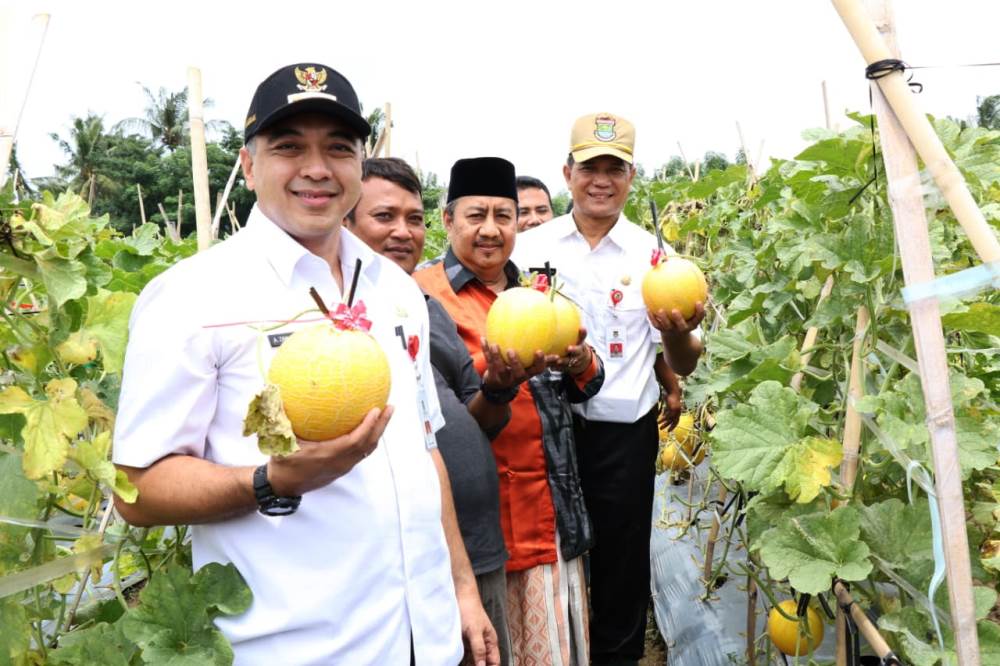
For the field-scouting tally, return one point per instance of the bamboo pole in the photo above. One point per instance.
(851, 447)
(199, 160)
(855, 390)
(811, 335)
(180, 211)
(826, 105)
(921, 134)
(906, 201)
(387, 132)
(865, 626)
(6, 94)
(686, 164)
(142, 208)
(379, 143)
(224, 198)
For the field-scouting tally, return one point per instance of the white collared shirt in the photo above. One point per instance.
(589, 276)
(364, 560)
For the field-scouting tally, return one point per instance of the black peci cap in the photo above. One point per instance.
(484, 177)
(300, 88)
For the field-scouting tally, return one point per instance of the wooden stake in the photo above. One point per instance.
(921, 134)
(811, 334)
(906, 201)
(713, 537)
(142, 209)
(180, 210)
(751, 620)
(865, 626)
(199, 161)
(169, 225)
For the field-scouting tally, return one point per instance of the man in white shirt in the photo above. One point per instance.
(600, 259)
(341, 542)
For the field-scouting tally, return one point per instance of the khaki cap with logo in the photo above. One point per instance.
(602, 134)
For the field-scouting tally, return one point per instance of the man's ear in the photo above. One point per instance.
(566, 173)
(246, 161)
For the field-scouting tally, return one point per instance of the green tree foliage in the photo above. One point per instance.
(988, 111)
(85, 146)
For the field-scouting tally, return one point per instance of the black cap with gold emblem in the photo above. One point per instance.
(302, 88)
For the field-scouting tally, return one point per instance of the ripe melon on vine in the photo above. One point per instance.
(521, 320)
(673, 283)
(785, 635)
(329, 379)
(684, 438)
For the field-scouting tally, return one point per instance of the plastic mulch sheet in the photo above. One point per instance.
(700, 631)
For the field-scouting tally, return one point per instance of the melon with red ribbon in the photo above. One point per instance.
(331, 375)
(673, 283)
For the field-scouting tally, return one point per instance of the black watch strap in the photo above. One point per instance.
(499, 396)
(268, 503)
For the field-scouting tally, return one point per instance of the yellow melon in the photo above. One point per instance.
(567, 324)
(523, 321)
(787, 635)
(674, 284)
(329, 380)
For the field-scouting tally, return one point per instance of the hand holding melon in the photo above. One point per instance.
(325, 402)
(533, 323)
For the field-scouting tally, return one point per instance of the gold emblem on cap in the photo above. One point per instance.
(250, 120)
(604, 128)
(311, 80)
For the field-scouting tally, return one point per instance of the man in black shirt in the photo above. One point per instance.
(389, 218)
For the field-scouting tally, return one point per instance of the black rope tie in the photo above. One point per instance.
(873, 72)
(883, 68)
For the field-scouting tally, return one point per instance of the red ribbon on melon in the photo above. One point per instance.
(351, 318)
(658, 256)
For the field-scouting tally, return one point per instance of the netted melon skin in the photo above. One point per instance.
(329, 379)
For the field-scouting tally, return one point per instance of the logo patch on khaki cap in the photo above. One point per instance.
(604, 128)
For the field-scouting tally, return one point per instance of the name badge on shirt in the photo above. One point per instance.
(276, 339)
(412, 346)
(616, 341)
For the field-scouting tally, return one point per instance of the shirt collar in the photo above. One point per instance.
(459, 276)
(284, 253)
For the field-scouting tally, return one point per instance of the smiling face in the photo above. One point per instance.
(306, 172)
(481, 232)
(599, 187)
(390, 220)
(533, 207)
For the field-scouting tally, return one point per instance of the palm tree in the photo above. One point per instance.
(85, 146)
(165, 118)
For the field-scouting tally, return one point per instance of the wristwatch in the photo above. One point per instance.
(268, 503)
(498, 396)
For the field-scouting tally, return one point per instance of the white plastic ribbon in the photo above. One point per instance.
(939, 562)
(957, 285)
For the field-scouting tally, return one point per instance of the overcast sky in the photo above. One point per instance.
(503, 78)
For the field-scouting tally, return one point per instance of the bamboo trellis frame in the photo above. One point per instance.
(900, 122)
